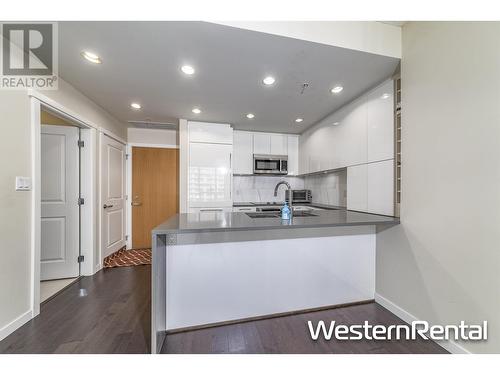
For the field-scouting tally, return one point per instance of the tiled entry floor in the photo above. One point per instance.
(50, 287)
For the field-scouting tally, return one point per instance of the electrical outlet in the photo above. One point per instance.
(23, 183)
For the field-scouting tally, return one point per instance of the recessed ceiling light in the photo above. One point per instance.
(336, 89)
(135, 105)
(385, 96)
(92, 57)
(269, 80)
(299, 119)
(196, 111)
(187, 69)
(336, 123)
(250, 115)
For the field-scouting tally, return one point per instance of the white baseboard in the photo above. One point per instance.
(15, 324)
(449, 345)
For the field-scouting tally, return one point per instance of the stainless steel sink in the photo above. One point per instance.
(262, 215)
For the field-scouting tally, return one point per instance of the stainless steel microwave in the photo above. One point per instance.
(270, 164)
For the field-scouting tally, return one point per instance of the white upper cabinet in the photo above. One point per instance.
(380, 187)
(243, 152)
(246, 144)
(279, 144)
(360, 132)
(270, 144)
(370, 187)
(293, 154)
(261, 144)
(380, 126)
(207, 132)
(357, 188)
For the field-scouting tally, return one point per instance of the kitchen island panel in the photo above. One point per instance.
(220, 282)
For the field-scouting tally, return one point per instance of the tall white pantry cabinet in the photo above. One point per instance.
(210, 168)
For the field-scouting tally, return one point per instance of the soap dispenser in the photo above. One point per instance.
(285, 212)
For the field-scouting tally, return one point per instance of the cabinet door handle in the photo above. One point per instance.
(136, 204)
(211, 210)
(107, 206)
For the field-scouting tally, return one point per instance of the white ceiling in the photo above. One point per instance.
(142, 60)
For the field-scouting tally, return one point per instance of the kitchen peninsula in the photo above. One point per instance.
(216, 267)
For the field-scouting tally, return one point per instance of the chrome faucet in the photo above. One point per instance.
(290, 195)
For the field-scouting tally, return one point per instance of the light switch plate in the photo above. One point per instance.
(23, 183)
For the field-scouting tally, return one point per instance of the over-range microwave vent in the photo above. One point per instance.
(153, 125)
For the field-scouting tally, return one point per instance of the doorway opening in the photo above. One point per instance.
(60, 204)
(153, 184)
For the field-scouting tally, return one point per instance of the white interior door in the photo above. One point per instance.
(60, 222)
(112, 196)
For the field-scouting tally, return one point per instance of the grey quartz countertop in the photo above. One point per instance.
(237, 221)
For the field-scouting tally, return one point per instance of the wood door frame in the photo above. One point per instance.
(88, 175)
(128, 189)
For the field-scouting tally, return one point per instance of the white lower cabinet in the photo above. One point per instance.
(357, 185)
(370, 188)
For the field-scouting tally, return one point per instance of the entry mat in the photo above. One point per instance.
(126, 258)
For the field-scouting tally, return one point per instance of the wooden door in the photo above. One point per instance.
(155, 190)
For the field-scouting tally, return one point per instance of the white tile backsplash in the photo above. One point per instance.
(261, 188)
(329, 188)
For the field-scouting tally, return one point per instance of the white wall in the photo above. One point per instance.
(153, 136)
(442, 263)
(366, 36)
(15, 207)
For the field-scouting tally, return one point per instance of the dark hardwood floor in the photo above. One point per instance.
(290, 335)
(110, 313)
(105, 313)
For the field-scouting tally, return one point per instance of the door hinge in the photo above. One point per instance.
(81, 144)
(126, 237)
(126, 156)
(80, 258)
(81, 201)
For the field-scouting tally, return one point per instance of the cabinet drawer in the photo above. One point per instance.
(244, 209)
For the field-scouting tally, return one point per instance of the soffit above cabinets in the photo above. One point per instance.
(141, 63)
